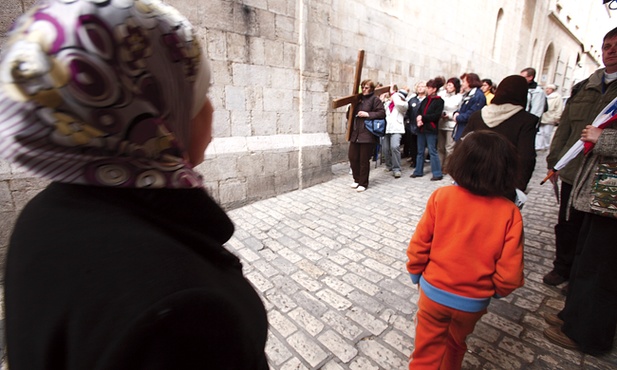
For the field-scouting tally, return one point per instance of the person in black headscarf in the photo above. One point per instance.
(507, 116)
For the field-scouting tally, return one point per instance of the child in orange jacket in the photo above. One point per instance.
(467, 248)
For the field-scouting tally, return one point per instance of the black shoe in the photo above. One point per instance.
(553, 278)
(437, 178)
(413, 176)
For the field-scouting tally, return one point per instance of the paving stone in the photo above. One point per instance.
(281, 323)
(294, 364)
(333, 299)
(494, 355)
(518, 349)
(277, 351)
(366, 320)
(307, 348)
(344, 351)
(306, 281)
(306, 321)
(503, 324)
(338, 285)
(384, 357)
(361, 363)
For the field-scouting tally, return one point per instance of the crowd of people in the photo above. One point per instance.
(423, 125)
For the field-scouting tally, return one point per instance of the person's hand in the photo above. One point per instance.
(419, 121)
(591, 134)
(554, 177)
(454, 116)
(362, 114)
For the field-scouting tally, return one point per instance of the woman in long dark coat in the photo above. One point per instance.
(507, 116)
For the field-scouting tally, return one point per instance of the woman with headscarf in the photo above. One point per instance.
(361, 141)
(119, 263)
(507, 116)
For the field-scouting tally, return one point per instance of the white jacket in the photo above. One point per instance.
(451, 102)
(555, 107)
(395, 119)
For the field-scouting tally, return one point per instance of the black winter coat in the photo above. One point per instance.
(430, 109)
(520, 130)
(106, 278)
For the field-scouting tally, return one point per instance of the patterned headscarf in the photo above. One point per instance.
(101, 92)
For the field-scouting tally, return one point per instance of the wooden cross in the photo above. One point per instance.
(354, 98)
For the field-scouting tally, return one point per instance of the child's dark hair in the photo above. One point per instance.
(485, 163)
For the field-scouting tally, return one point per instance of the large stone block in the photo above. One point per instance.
(5, 170)
(232, 191)
(6, 198)
(217, 47)
(260, 187)
(274, 53)
(250, 165)
(284, 78)
(237, 47)
(278, 100)
(263, 123)
(222, 167)
(257, 51)
(277, 161)
(285, 28)
(286, 181)
(235, 99)
(240, 123)
(288, 123)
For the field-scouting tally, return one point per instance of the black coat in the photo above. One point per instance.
(430, 109)
(105, 278)
(520, 130)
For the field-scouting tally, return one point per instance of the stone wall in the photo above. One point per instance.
(279, 63)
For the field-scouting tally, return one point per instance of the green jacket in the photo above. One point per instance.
(582, 108)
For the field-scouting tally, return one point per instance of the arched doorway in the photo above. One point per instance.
(548, 65)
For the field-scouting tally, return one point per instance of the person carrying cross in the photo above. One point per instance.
(362, 141)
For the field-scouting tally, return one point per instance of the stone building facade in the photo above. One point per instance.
(279, 63)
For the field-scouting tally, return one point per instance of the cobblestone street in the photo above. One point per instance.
(329, 264)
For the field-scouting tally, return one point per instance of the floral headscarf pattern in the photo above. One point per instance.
(101, 92)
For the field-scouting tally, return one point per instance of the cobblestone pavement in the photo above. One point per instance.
(329, 265)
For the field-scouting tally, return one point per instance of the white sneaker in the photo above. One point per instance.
(397, 174)
(360, 189)
(354, 185)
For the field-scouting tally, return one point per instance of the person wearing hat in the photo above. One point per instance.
(550, 118)
(395, 107)
(507, 116)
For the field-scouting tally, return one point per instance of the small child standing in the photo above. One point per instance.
(467, 248)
